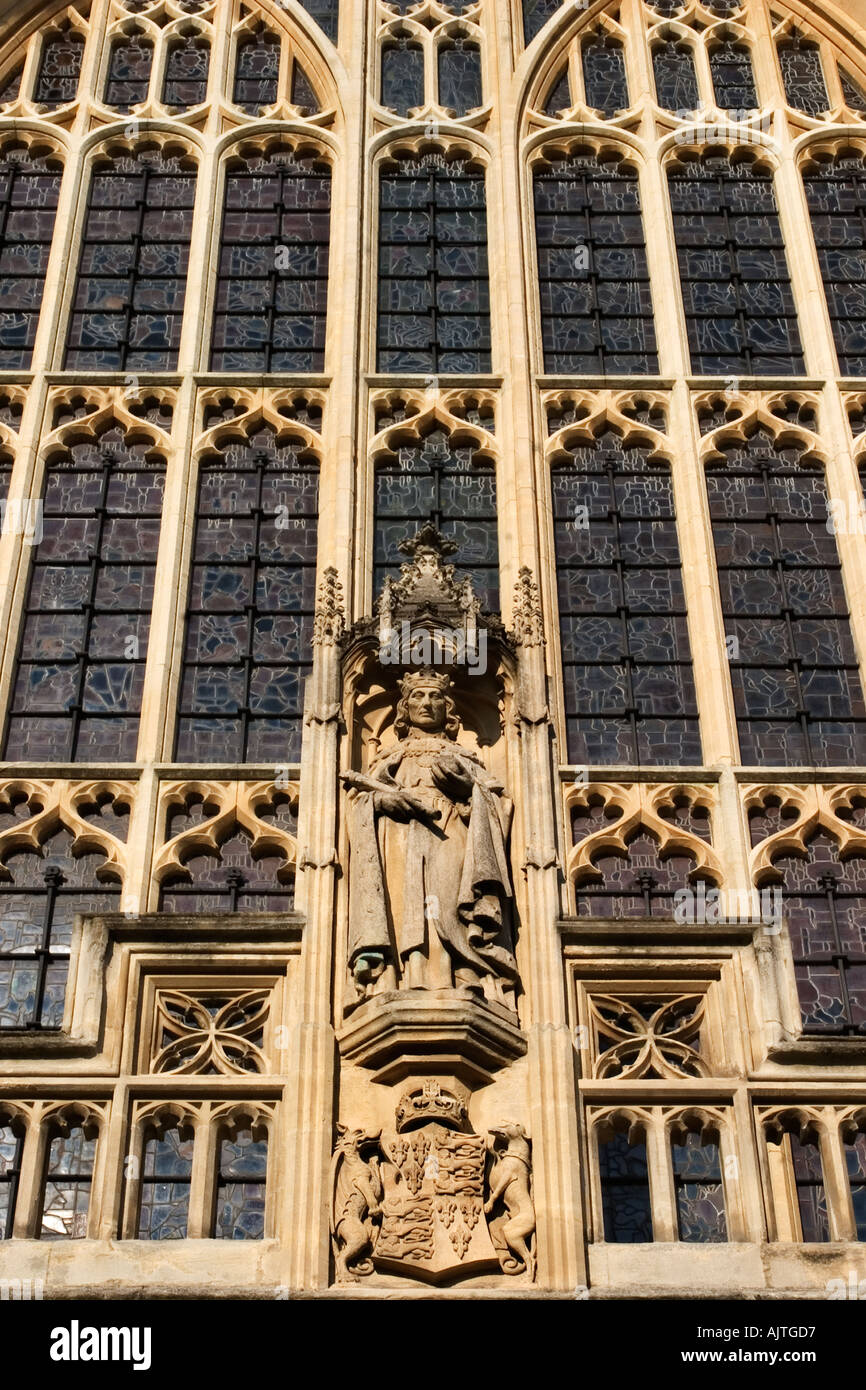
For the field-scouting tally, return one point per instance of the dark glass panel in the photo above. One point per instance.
(240, 1202)
(460, 76)
(302, 91)
(559, 98)
(229, 879)
(636, 884)
(11, 1149)
(129, 72)
(596, 305)
(803, 76)
(855, 1163)
(165, 1185)
(186, 73)
(811, 1194)
(733, 78)
(700, 1196)
(836, 194)
(59, 71)
(272, 289)
(604, 76)
(29, 193)
(625, 1191)
(675, 77)
(326, 13)
(257, 73)
(68, 1180)
(536, 13)
(402, 76)
(10, 88)
(852, 92)
(733, 270)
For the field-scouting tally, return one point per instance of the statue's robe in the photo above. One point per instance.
(438, 889)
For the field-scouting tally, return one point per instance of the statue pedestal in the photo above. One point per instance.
(446, 1033)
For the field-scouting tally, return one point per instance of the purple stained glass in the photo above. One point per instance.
(59, 70)
(402, 76)
(29, 194)
(187, 68)
(636, 884)
(836, 193)
(460, 76)
(257, 73)
(129, 68)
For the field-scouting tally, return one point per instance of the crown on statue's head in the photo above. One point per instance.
(426, 676)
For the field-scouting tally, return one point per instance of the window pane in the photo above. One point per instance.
(326, 13)
(67, 1186)
(240, 1205)
(604, 75)
(402, 77)
(11, 1149)
(625, 1191)
(700, 1196)
(59, 71)
(811, 1196)
(675, 77)
(186, 73)
(165, 1182)
(257, 73)
(803, 76)
(733, 79)
(855, 1162)
(29, 193)
(836, 193)
(460, 77)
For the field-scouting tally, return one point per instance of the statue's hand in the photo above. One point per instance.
(451, 778)
(400, 805)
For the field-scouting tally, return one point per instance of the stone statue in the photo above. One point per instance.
(357, 1198)
(512, 1229)
(431, 898)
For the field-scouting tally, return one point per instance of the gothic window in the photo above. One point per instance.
(29, 193)
(559, 97)
(460, 76)
(733, 79)
(675, 77)
(272, 287)
(402, 76)
(797, 690)
(11, 1149)
(166, 1176)
(129, 72)
(604, 76)
(186, 73)
(68, 1180)
(59, 71)
(698, 1190)
(326, 13)
(536, 13)
(240, 1198)
(80, 670)
(733, 270)
(257, 73)
(39, 902)
(250, 612)
(803, 75)
(625, 1190)
(642, 882)
(128, 308)
(436, 481)
(855, 1165)
(434, 299)
(629, 691)
(596, 305)
(303, 95)
(230, 878)
(836, 193)
(852, 93)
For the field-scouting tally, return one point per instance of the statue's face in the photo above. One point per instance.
(426, 707)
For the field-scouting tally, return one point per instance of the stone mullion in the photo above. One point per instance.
(839, 1204)
(740, 1142)
(31, 1179)
(202, 1188)
(662, 1193)
(97, 22)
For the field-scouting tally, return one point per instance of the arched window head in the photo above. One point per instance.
(644, 881)
(733, 78)
(129, 66)
(604, 75)
(460, 76)
(675, 77)
(231, 878)
(402, 76)
(187, 68)
(59, 70)
(803, 75)
(257, 72)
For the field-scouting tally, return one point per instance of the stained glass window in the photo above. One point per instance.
(229, 878)
(434, 298)
(855, 1164)
(257, 73)
(699, 1194)
(29, 193)
(460, 76)
(675, 77)
(797, 690)
(604, 76)
(402, 76)
(11, 1148)
(186, 73)
(629, 690)
(811, 1193)
(733, 269)
(68, 1179)
(272, 288)
(128, 72)
(733, 78)
(853, 94)
(10, 87)
(625, 1190)
(166, 1176)
(249, 628)
(436, 481)
(240, 1199)
(80, 671)
(836, 193)
(803, 75)
(536, 13)
(128, 307)
(39, 904)
(596, 305)
(326, 13)
(59, 71)
(559, 97)
(303, 94)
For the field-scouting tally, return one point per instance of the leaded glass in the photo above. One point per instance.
(559, 97)
(733, 78)
(240, 1198)
(229, 878)
(29, 193)
(186, 73)
(326, 13)
(68, 1179)
(852, 93)
(10, 88)
(604, 76)
(250, 610)
(11, 1148)
(794, 671)
(734, 274)
(272, 288)
(460, 76)
(803, 76)
(257, 73)
(855, 1164)
(636, 884)
(675, 77)
(303, 94)
(434, 298)
(625, 1191)
(80, 671)
(536, 13)
(129, 67)
(596, 304)
(629, 690)
(128, 307)
(59, 71)
(811, 1194)
(402, 76)
(700, 1196)
(449, 486)
(166, 1176)
(836, 194)
(37, 911)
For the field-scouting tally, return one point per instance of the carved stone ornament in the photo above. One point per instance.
(431, 1199)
